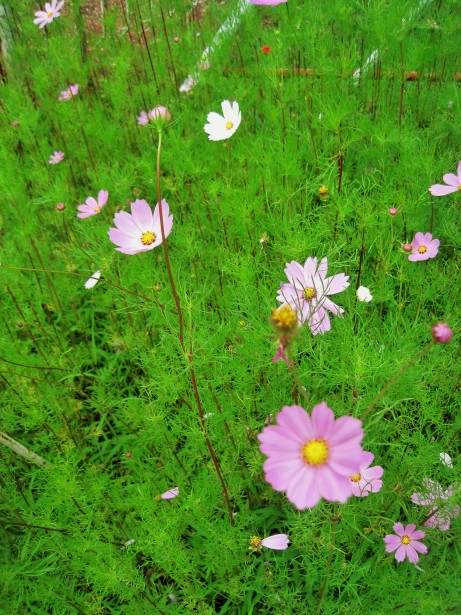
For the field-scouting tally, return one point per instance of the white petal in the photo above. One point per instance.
(446, 460)
(363, 294)
(93, 280)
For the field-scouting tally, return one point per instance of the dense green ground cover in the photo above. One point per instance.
(96, 381)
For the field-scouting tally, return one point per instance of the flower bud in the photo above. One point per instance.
(442, 333)
(407, 247)
(60, 206)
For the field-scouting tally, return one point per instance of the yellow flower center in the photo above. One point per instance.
(49, 14)
(96, 209)
(309, 293)
(229, 125)
(356, 478)
(459, 187)
(323, 190)
(158, 498)
(422, 249)
(284, 318)
(255, 542)
(315, 452)
(147, 238)
(405, 540)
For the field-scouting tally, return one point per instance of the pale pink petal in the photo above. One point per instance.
(419, 546)
(278, 542)
(102, 197)
(142, 215)
(367, 459)
(323, 268)
(91, 202)
(451, 179)
(372, 474)
(409, 529)
(392, 543)
(441, 190)
(333, 487)
(169, 495)
(125, 222)
(279, 474)
(297, 422)
(273, 440)
(399, 529)
(295, 273)
(417, 534)
(322, 421)
(346, 429)
(303, 490)
(123, 240)
(401, 552)
(336, 284)
(423, 499)
(310, 269)
(332, 307)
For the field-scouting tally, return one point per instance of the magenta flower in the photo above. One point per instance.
(312, 457)
(51, 12)
(438, 500)
(140, 231)
(308, 290)
(368, 479)
(171, 494)
(56, 158)
(442, 333)
(453, 181)
(91, 208)
(277, 542)
(423, 247)
(405, 543)
(158, 113)
(72, 90)
(267, 2)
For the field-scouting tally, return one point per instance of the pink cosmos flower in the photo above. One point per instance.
(72, 90)
(437, 499)
(92, 207)
(56, 158)
(453, 181)
(51, 12)
(368, 479)
(423, 247)
(308, 290)
(277, 542)
(312, 457)
(158, 113)
(405, 543)
(267, 2)
(171, 494)
(140, 231)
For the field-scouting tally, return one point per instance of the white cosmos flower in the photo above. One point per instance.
(363, 294)
(93, 280)
(222, 127)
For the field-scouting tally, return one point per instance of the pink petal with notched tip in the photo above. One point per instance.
(310, 269)
(336, 284)
(441, 190)
(125, 223)
(332, 307)
(274, 440)
(367, 459)
(295, 422)
(295, 273)
(123, 240)
(401, 552)
(323, 268)
(142, 215)
(279, 473)
(278, 542)
(91, 202)
(103, 195)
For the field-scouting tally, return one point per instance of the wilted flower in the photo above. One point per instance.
(363, 294)
(308, 290)
(442, 333)
(158, 114)
(312, 457)
(453, 181)
(278, 542)
(141, 230)
(405, 543)
(92, 208)
(423, 247)
(368, 479)
(93, 280)
(223, 126)
(72, 90)
(438, 500)
(51, 12)
(56, 158)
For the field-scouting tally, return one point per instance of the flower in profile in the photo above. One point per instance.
(442, 333)
(285, 322)
(363, 294)
(91, 282)
(441, 512)
(278, 542)
(453, 181)
(72, 90)
(91, 207)
(267, 2)
(51, 12)
(223, 126)
(56, 158)
(368, 479)
(308, 290)
(405, 542)
(168, 495)
(141, 230)
(423, 247)
(266, 49)
(312, 457)
(157, 114)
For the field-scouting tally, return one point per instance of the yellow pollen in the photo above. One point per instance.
(284, 318)
(315, 452)
(323, 190)
(459, 187)
(229, 125)
(147, 238)
(356, 478)
(405, 540)
(309, 293)
(255, 542)
(49, 14)
(158, 498)
(422, 249)
(96, 209)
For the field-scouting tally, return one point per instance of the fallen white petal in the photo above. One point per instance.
(93, 280)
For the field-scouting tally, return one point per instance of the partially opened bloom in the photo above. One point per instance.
(441, 512)
(56, 158)
(312, 457)
(91, 207)
(140, 231)
(278, 542)
(423, 247)
(405, 543)
(170, 495)
(72, 90)
(453, 181)
(307, 293)
(51, 12)
(367, 479)
(158, 113)
(91, 282)
(223, 126)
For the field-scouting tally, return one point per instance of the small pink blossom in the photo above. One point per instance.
(277, 542)
(60, 206)
(312, 457)
(72, 90)
(56, 158)
(91, 207)
(308, 290)
(176, 39)
(423, 247)
(407, 247)
(442, 333)
(267, 2)
(141, 230)
(188, 85)
(15, 123)
(171, 494)
(393, 211)
(154, 115)
(368, 479)
(453, 181)
(51, 12)
(438, 500)
(405, 543)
